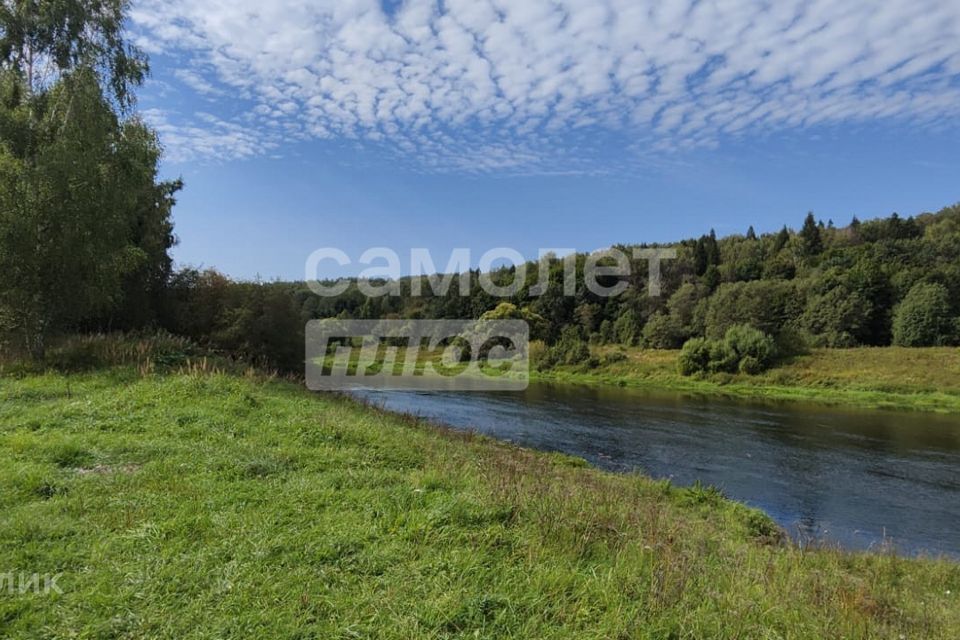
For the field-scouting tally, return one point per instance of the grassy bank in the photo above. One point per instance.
(205, 505)
(868, 378)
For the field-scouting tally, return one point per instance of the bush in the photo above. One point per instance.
(576, 353)
(751, 366)
(923, 319)
(571, 350)
(257, 322)
(753, 343)
(723, 358)
(85, 353)
(743, 349)
(606, 332)
(792, 342)
(695, 356)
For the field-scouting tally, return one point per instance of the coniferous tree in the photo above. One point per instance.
(713, 249)
(700, 260)
(811, 241)
(781, 240)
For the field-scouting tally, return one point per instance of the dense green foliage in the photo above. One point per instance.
(201, 505)
(743, 349)
(925, 317)
(844, 290)
(84, 224)
(260, 322)
(43, 40)
(824, 286)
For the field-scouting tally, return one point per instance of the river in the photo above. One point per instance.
(855, 479)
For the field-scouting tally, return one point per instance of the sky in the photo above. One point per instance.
(542, 124)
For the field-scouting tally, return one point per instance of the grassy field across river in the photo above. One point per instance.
(868, 378)
(198, 504)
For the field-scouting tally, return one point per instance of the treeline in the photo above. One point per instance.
(887, 281)
(738, 302)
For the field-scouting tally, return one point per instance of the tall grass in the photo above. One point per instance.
(147, 353)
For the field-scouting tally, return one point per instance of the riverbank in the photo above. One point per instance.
(206, 504)
(862, 378)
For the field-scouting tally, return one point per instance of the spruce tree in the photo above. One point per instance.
(810, 238)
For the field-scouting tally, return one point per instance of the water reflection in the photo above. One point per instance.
(846, 477)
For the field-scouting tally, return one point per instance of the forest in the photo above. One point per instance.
(888, 281)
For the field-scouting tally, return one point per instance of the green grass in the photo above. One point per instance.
(207, 505)
(866, 378)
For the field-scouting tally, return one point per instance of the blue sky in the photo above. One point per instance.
(299, 125)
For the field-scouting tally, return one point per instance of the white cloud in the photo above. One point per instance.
(208, 138)
(500, 84)
(197, 82)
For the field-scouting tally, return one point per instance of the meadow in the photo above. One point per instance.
(918, 379)
(184, 498)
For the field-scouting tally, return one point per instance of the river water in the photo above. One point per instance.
(857, 479)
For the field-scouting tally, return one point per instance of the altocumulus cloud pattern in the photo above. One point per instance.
(494, 85)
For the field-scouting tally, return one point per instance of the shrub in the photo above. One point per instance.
(723, 358)
(570, 350)
(923, 319)
(743, 349)
(576, 353)
(751, 366)
(695, 356)
(84, 353)
(792, 342)
(748, 342)
(606, 332)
